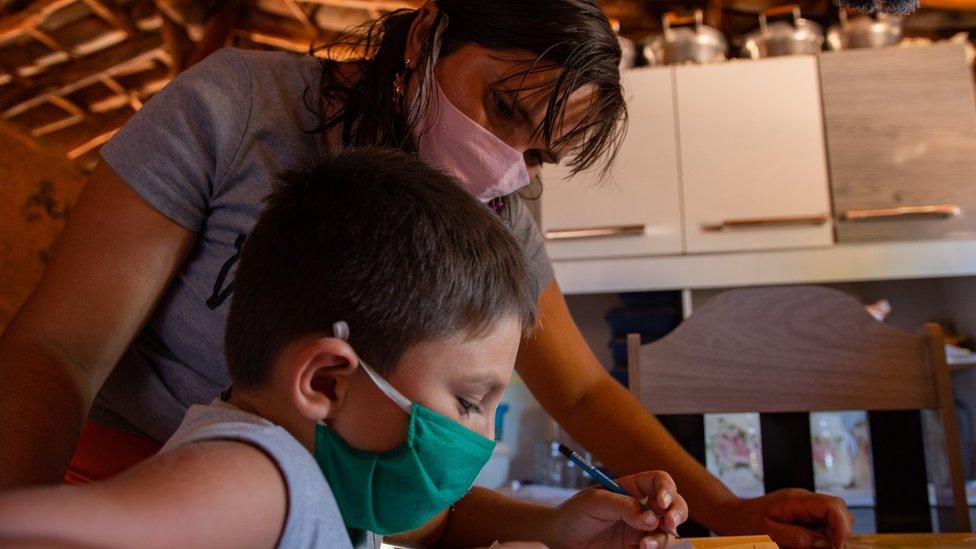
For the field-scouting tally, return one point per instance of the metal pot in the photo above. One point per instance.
(628, 50)
(683, 44)
(865, 31)
(797, 37)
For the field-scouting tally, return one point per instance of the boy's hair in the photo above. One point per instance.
(395, 248)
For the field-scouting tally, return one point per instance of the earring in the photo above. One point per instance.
(400, 79)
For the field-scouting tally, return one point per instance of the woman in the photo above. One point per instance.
(127, 322)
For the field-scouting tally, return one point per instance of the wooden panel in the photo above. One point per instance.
(901, 131)
(783, 350)
(38, 190)
(640, 192)
(751, 142)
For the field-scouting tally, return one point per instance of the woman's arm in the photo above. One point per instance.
(206, 494)
(115, 258)
(572, 385)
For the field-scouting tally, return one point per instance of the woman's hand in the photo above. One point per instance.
(601, 519)
(792, 518)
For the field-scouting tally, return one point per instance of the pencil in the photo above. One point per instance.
(604, 480)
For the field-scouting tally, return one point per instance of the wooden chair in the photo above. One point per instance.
(786, 351)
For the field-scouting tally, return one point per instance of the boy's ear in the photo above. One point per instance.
(320, 377)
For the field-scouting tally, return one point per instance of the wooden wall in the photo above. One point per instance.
(37, 189)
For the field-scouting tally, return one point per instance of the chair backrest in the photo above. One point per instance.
(787, 349)
(796, 349)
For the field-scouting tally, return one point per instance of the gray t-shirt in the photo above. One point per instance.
(313, 518)
(204, 152)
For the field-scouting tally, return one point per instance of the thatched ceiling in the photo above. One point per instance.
(73, 71)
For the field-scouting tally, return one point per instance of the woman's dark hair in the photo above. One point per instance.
(574, 35)
(397, 249)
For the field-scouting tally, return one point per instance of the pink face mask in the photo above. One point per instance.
(486, 166)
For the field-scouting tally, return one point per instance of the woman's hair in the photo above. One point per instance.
(573, 35)
(397, 249)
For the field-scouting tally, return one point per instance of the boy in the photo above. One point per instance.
(376, 317)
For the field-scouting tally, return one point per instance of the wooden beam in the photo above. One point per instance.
(96, 141)
(108, 59)
(177, 41)
(65, 105)
(218, 30)
(386, 5)
(47, 40)
(12, 26)
(57, 125)
(110, 16)
(73, 137)
(297, 13)
(959, 5)
(113, 85)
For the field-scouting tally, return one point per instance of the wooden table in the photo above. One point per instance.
(868, 541)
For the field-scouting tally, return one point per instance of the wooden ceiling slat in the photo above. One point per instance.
(91, 144)
(113, 85)
(178, 43)
(108, 15)
(73, 137)
(46, 39)
(69, 106)
(297, 12)
(12, 26)
(32, 102)
(386, 5)
(217, 32)
(85, 68)
(58, 125)
(966, 5)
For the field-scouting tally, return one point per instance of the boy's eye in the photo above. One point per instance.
(468, 407)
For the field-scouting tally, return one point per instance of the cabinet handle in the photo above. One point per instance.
(773, 222)
(941, 211)
(595, 232)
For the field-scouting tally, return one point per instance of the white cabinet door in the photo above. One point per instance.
(753, 167)
(635, 210)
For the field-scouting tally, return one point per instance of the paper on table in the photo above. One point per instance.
(725, 542)
(900, 541)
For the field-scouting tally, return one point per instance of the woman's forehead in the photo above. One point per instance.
(532, 81)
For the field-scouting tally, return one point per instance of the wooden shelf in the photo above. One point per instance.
(838, 263)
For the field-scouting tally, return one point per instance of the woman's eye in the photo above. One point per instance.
(503, 108)
(468, 407)
(534, 158)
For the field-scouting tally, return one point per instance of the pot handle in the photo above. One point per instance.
(777, 11)
(672, 19)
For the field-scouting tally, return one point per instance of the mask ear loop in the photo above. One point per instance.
(340, 330)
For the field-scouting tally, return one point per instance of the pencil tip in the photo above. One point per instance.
(564, 450)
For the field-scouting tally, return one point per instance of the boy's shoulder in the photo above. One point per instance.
(313, 518)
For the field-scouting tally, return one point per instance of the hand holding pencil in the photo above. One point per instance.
(636, 510)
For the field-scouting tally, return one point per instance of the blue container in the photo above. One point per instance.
(649, 322)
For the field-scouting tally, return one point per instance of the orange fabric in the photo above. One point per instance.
(103, 452)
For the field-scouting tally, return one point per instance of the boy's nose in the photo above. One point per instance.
(489, 429)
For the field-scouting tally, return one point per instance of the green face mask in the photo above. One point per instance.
(401, 489)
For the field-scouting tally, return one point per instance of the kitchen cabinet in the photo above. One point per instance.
(752, 155)
(635, 209)
(901, 135)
